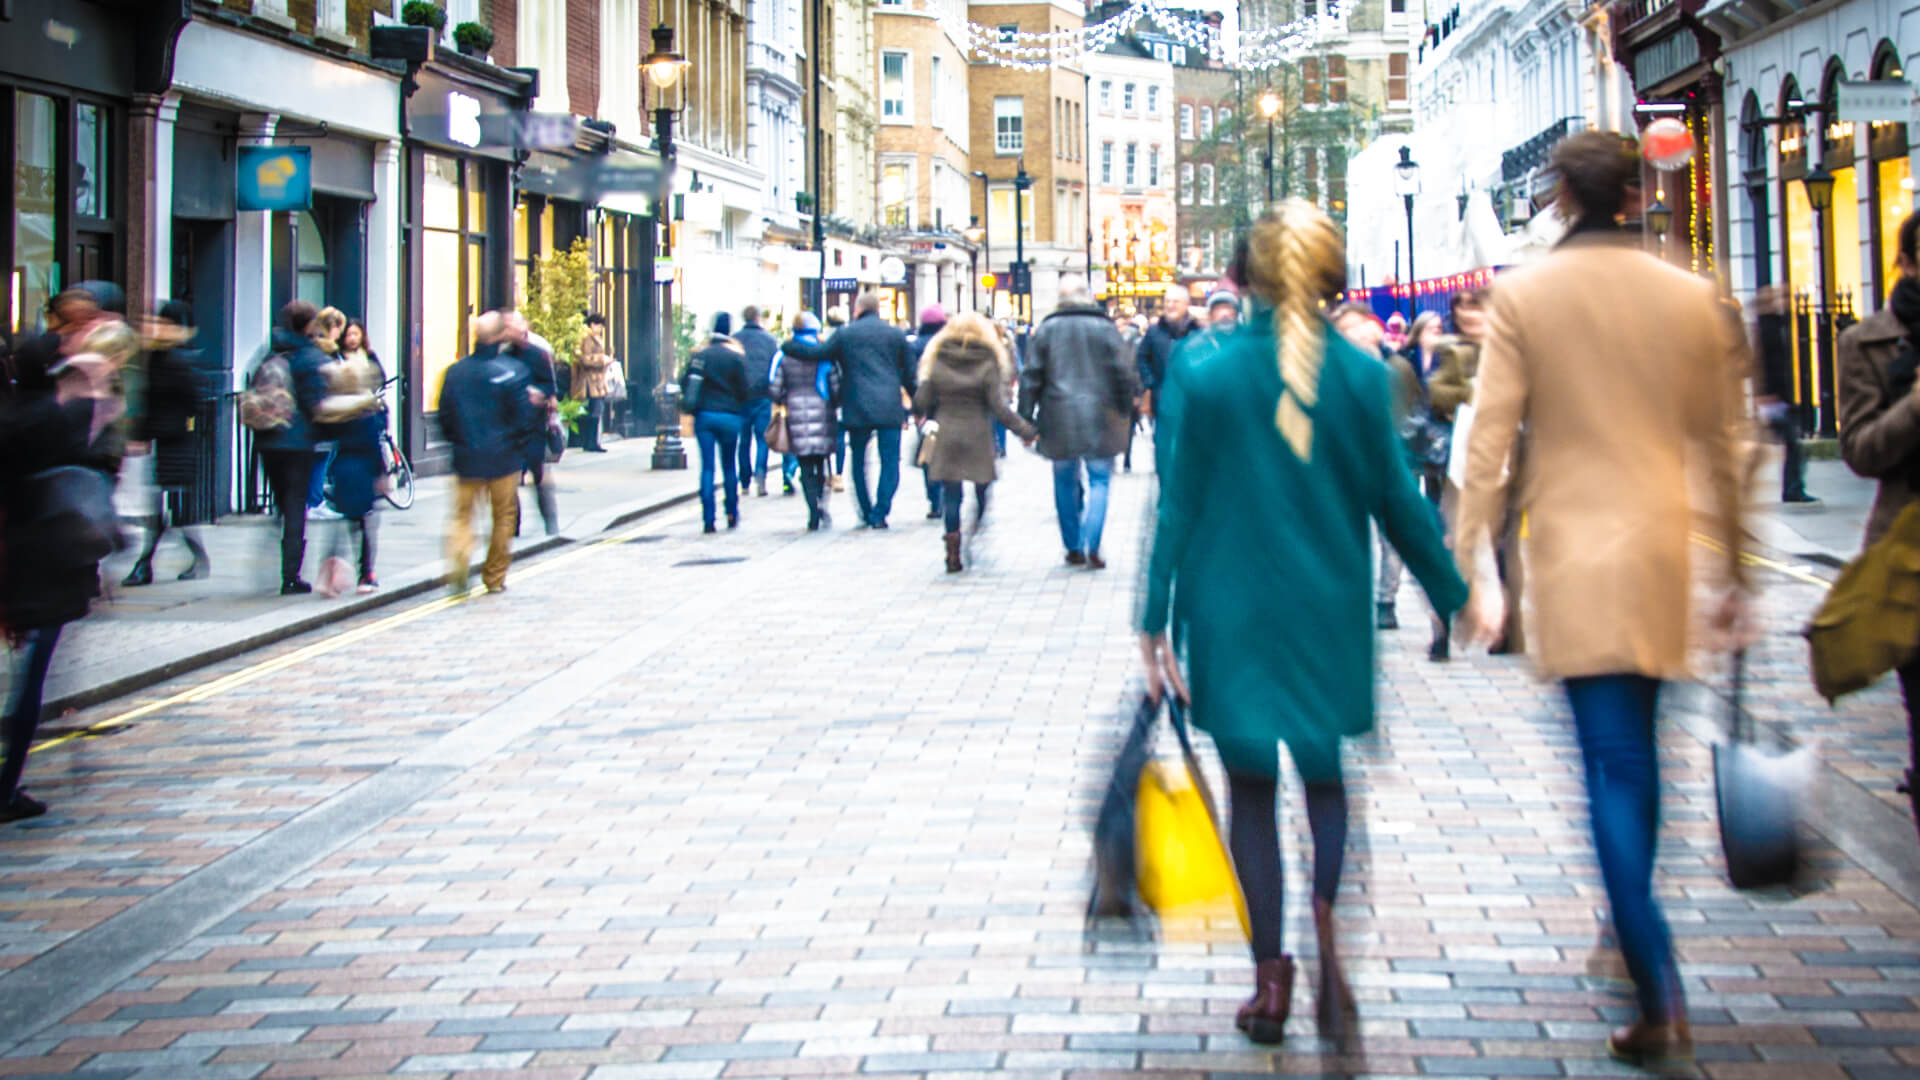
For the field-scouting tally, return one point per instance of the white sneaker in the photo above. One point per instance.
(324, 512)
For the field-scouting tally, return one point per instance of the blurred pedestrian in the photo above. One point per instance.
(593, 385)
(535, 353)
(1130, 334)
(1161, 339)
(1078, 389)
(876, 367)
(1223, 562)
(1423, 342)
(174, 392)
(1396, 331)
(1618, 413)
(485, 413)
(933, 319)
(1775, 396)
(287, 451)
(761, 348)
(1457, 359)
(962, 383)
(1010, 349)
(806, 388)
(354, 414)
(1362, 328)
(325, 331)
(1223, 311)
(1880, 428)
(65, 420)
(715, 389)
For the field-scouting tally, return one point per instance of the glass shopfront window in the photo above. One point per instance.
(1800, 247)
(1895, 177)
(34, 276)
(453, 204)
(1846, 236)
(91, 155)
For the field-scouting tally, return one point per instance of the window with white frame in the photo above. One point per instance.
(1106, 95)
(1153, 101)
(1009, 31)
(1206, 185)
(1106, 162)
(1062, 224)
(1226, 115)
(1226, 245)
(1133, 154)
(1153, 165)
(1160, 50)
(1206, 252)
(1000, 214)
(330, 16)
(1179, 54)
(896, 194)
(938, 100)
(1186, 184)
(1126, 98)
(1186, 121)
(893, 87)
(1206, 121)
(1009, 134)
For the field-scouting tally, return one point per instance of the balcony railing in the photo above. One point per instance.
(1533, 153)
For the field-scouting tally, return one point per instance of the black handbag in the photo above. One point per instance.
(73, 523)
(1760, 795)
(1428, 439)
(1115, 889)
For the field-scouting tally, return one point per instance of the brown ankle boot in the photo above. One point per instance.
(1334, 1007)
(1264, 1016)
(953, 553)
(1652, 1042)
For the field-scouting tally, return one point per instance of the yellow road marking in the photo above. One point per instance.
(216, 687)
(1766, 564)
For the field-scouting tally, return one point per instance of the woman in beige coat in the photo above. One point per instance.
(591, 382)
(1616, 410)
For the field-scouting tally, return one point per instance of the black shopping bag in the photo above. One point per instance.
(1761, 795)
(1115, 891)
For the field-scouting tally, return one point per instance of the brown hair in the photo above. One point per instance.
(296, 315)
(1596, 169)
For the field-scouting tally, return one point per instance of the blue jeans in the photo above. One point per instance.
(317, 484)
(874, 509)
(1613, 717)
(758, 416)
(719, 434)
(23, 705)
(789, 468)
(1082, 511)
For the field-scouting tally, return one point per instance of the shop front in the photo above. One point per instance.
(1672, 57)
(459, 231)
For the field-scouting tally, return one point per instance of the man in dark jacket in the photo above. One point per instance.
(933, 319)
(761, 348)
(287, 452)
(1078, 389)
(1156, 347)
(876, 367)
(485, 413)
(1776, 391)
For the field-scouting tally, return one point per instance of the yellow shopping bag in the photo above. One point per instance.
(1184, 872)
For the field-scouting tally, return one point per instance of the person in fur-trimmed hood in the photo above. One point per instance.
(962, 381)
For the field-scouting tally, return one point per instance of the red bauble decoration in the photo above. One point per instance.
(1666, 143)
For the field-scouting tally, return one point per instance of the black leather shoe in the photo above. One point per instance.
(141, 574)
(296, 587)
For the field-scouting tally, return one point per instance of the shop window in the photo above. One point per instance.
(453, 215)
(32, 279)
(1845, 232)
(1397, 76)
(310, 260)
(1000, 215)
(1895, 177)
(92, 148)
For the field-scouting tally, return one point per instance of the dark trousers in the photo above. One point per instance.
(1253, 837)
(1910, 690)
(1793, 466)
(934, 489)
(590, 424)
(813, 481)
(874, 508)
(23, 708)
(1613, 718)
(719, 436)
(951, 497)
(288, 474)
(188, 533)
(753, 442)
(317, 482)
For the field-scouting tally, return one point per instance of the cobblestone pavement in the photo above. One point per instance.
(771, 804)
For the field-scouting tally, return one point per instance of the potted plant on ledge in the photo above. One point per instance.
(473, 39)
(424, 13)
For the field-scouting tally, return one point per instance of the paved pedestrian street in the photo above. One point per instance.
(779, 804)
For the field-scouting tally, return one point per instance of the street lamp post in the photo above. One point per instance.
(1270, 108)
(985, 221)
(974, 234)
(1406, 183)
(1819, 184)
(1022, 277)
(814, 93)
(664, 69)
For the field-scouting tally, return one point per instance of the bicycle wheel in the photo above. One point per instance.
(399, 493)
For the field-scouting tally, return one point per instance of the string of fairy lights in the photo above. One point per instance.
(1245, 50)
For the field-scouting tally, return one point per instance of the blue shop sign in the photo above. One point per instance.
(275, 178)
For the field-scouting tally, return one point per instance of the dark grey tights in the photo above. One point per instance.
(1254, 839)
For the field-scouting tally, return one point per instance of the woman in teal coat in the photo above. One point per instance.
(1281, 449)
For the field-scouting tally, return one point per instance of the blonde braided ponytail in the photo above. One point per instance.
(1295, 259)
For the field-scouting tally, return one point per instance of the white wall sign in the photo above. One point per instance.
(892, 270)
(1884, 101)
(463, 119)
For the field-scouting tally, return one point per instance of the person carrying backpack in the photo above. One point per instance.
(279, 407)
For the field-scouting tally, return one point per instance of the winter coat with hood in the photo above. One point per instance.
(963, 385)
(876, 364)
(796, 387)
(304, 361)
(40, 431)
(1078, 384)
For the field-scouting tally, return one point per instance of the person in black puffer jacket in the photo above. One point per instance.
(174, 393)
(761, 349)
(287, 452)
(719, 404)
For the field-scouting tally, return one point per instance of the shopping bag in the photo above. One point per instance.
(1115, 894)
(779, 440)
(1182, 867)
(1761, 797)
(1869, 621)
(1457, 449)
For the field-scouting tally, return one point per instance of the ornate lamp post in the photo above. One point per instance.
(664, 69)
(1022, 276)
(1406, 184)
(975, 233)
(1270, 108)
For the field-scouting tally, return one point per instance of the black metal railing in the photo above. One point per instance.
(1816, 330)
(1533, 153)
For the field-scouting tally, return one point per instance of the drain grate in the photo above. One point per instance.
(714, 561)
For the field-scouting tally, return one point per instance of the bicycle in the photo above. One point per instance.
(398, 472)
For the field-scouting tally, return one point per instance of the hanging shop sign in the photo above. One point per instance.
(274, 178)
(1882, 101)
(892, 270)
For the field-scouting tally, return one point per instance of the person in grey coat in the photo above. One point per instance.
(876, 365)
(1078, 387)
(804, 388)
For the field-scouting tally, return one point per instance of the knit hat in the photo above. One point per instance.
(933, 315)
(1222, 296)
(723, 324)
